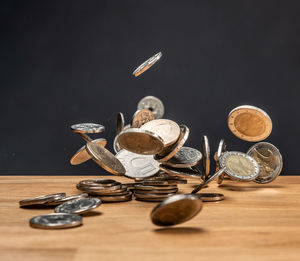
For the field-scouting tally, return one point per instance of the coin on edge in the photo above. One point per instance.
(206, 156)
(153, 104)
(87, 128)
(222, 147)
(120, 122)
(211, 197)
(78, 206)
(147, 64)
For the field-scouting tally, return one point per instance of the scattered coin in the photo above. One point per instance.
(153, 104)
(63, 200)
(156, 187)
(78, 206)
(152, 195)
(221, 148)
(141, 117)
(206, 156)
(120, 122)
(147, 64)
(87, 128)
(98, 183)
(211, 197)
(116, 198)
(42, 200)
(182, 172)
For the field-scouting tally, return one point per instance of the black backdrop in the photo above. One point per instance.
(65, 62)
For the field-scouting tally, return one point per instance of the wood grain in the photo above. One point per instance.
(254, 222)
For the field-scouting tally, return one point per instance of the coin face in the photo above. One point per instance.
(176, 209)
(141, 117)
(181, 172)
(140, 141)
(249, 123)
(153, 104)
(206, 156)
(168, 130)
(137, 165)
(41, 199)
(82, 156)
(105, 158)
(269, 160)
(87, 128)
(147, 64)
(78, 206)
(239, 165)
(120, 122)
(56, 220)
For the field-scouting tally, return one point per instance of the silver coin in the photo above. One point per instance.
(78, 206)
(269, 160)
(147, 64)
(137, 165)
(56, 220)
(153, 104)
(206, 156)
(222, 147)
(182, 172)
(211, 197)
(41, 200)
(176, 210)
(87, 128)
(116, 145)
(63, 200)
(120, 122)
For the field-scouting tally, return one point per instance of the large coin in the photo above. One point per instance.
(206, 156)
(41, 200)
(147, 64)
(120, 122)
(168, 130)
(87, 128)
(105, 159)
(56, 220)
(269, 160)
(182, 172)
(137, 165)
(82, 156)
(249, 123)
(78, 206)
(176, 210)
(140, 141)
(153, 104)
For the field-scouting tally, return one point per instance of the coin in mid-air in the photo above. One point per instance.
(105, 158)
(147, 64)
(140, 117)
(153, 104)
(206, 156)
(249, 123)
(176, 209)
(120, 122)
(41, 200)
(137, 165)
(87, 128)
(269, 160)
(78, 206)
(56, 220)
(222, 147)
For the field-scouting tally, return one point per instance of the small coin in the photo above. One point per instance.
(249, 123)
(155, 187)
(152, 195)
(206, 156)
(82, 156)
(176, 210)
(269, 160)
(182, 172)
(120, 122)
(98, 183)
(153, 104)
(78, 206)
(99, 189)
(168, 130)
(141, 117)
(105, 159)
(63, 200)
(56, 220)
(140, 141)
(211, 197)
(41, 200)
(147, 64)
(117, 198)
(156, 191)
(137, 165)
(221, 148)
(87, 128)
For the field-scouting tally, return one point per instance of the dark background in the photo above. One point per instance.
(66, 62)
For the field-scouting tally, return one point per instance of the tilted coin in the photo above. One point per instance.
(184, 158)
(211, 197)
(221, 148)
(41, 200)
(249, 123)
(147, 64)
(206, 156)
(137, 165)
(168, 130)
(89, 189)
(141, 117)
(98, 182)
(78, 206)
(82, 156)
(153, 104)
(56, 220)
(176, 210)
(181, 172)
(140, 141)
(120, 122)
(269, 160)
(239, 166)
(87, 128)
(105, 159)
(63, 200)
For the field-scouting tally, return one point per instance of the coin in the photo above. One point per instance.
(147, 64)
(176, 210)
(168, 130)
(99, 183)
(269, 160)
(78, 206)
(211, 197)
(63, 200)
(141, 117)
(239, 166)
(87, 128)
(99, 189)
(140, 141)
(155, 187)
(56, 220)
(221, 148)
(152, 195)
(206, 156)
(137, 165)
(120, 122)
(153, 104)
(249, 123)
(41, 200)
(117, 198)
(82, 156)
(181, 172)
(156, 191)
(105, 159)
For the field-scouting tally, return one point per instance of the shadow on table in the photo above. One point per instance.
(179, 230)
(247, 187)
(92, 214)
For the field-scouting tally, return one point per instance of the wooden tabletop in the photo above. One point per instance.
(254, 222)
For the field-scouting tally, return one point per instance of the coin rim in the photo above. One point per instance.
(100, 128)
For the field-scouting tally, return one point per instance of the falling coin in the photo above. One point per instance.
(87, 128)
(221, 148)
(206, 156)
(147, 64)
(141, 117)
(153, 104)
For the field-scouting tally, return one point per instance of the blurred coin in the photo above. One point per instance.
(120, 122)
(206, 156)
(131, 185)
(87, 128)
(89, 189)
(211, 197)
(176, 210)
(150, 199)
(156, 191)
(41, 200)
(164, 182)
(221, 148)
(116, 145)
(56, 220)
(111, 199)
(269, 160)
(147, 64)
(63, 200)
(105, 159)
(78, 206)
(152, 195)
(141, 117)
(249, 123)
(153, 104)
(181, 172)
(155, 187)
(98, 182)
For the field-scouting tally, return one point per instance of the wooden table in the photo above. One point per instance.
(255, 222)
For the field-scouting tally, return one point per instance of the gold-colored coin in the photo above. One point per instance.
(239, 165)
(141, 117)
(249, 123)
